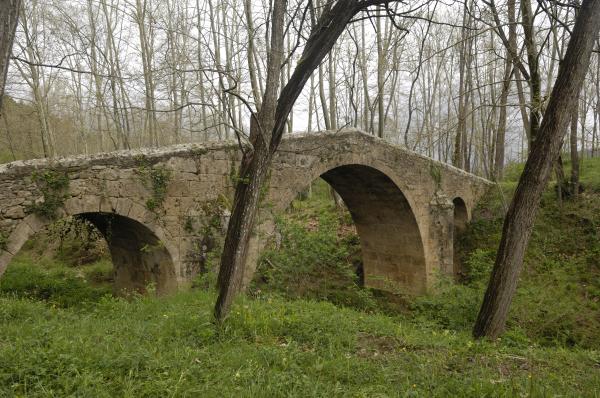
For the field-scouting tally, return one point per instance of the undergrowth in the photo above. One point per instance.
(266, 348)
(310, 328)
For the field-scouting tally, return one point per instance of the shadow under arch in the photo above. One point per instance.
(391, 244)
(461, 219)
(139, 257)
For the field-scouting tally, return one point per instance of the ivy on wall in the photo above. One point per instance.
(156, 180)
(53, 186)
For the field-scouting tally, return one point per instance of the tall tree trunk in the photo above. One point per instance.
(266, 132)
(253, 173)
(324, 107)
(311, 101)
(535, 84)
(332, 92)
(523, 208)
(381, 69)
(458, 159)
(9, 15)
(251, 63)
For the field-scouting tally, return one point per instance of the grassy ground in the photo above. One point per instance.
(308, 328)
(268, 347)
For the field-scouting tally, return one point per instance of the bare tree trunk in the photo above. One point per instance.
(381, 69)
(9, 15)
(253, 173)
(458, 159)
(323, 98)
(311, 101)
(596, 112)
(365, 79)
(251, 63)
(521, 214)
(501, 133)
(142, 14)
(332, 92)
(535, 86)
(266, 131)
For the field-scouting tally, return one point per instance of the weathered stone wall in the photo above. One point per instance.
(402, 204)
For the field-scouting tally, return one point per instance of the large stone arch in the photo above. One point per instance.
(140, 250)
(392, 242)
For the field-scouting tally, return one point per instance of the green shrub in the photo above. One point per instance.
(450, 305)
(100, 272)
(317, 256)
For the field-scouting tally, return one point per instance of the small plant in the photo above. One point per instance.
(156, 180)
(188, 225)
(3, 240)
(214, 211)
(436, 174)
(234, 177)
(149, 248)
(53, 185)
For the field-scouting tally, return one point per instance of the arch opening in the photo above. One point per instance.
(461, 219)
(139, 259)
(392, 249)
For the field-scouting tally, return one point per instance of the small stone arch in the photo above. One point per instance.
(140, 257)
(460, 221)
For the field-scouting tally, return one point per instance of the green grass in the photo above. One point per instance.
(65, 266)
(309, 328)
(56, 284)
(267, 347)
(317, 255)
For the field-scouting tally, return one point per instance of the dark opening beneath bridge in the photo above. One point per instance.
(392, 248)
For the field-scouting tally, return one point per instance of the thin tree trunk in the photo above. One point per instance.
(323, 98)
(535, 85)
(332, 92)
(501, 133)
(458, 159)
(9, 15)
(253, 173)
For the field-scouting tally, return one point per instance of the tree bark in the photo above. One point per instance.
(9, 15)
(523, 208)
(252, 175)
(266, 133)
(458, 159)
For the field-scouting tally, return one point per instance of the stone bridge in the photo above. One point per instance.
(159, 209)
